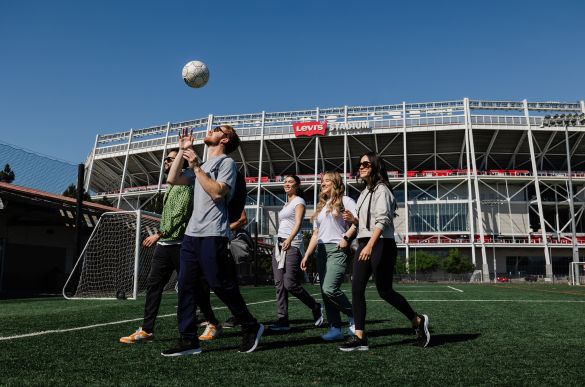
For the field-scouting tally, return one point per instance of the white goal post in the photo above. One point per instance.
(113, 263)
(576, 273)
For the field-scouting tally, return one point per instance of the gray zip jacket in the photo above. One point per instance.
(381, 212)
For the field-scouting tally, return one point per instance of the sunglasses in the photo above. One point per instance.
(218, 129)
(169, 159)
(365, 164)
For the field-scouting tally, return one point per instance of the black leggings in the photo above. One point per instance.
(381, 263)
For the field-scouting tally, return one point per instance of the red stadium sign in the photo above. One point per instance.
(313, 128)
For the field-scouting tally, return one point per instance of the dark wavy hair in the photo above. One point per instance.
(379, 175)
(298, 181)
(379, 172)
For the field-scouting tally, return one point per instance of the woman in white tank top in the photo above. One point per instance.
(286, 257)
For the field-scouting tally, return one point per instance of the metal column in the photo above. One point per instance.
(470, 218)
(316, 167)
(125, 165)
(260, 171)
(574, 246)
(90, 167)
(405, 167)
(468, 128)
(164, 154)
(548, 266)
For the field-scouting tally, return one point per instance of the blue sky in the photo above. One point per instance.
(70, 70)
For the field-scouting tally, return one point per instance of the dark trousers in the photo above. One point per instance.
(205, 302)
(381, 264)
(289, 279)
(208, 257)
(164, 261)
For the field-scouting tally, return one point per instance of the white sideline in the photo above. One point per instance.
(4, 338)
(418, 291)
(451, 287)
(527, 301)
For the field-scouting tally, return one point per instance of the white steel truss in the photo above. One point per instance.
(466, 152)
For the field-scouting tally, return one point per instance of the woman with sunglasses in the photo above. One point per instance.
(331, 240)
(377, 252)
(286, 258)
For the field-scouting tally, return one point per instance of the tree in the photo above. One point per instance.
(104, 201)
(400, 267)
(425, 262)
(456, 263)
(7, 175)
(71, 192)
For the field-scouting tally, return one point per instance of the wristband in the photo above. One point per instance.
(346, 237)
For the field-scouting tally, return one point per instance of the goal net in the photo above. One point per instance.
(113, 262)
(577, 273)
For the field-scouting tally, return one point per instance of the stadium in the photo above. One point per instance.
(485, 177)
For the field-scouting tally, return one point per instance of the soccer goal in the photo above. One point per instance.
(576, 273)
(113, 263)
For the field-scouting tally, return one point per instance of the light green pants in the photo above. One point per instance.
(331, 265)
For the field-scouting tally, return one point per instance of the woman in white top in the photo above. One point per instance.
(376, 253)
(331, 241)
(286, 257)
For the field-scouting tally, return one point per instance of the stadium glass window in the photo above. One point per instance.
(420, 194)
(534, 265)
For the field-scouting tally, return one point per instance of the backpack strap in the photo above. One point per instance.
(369, 206)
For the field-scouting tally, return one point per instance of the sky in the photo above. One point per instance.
(70, 70)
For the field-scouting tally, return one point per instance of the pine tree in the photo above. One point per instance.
(7, 175)
(71, 192)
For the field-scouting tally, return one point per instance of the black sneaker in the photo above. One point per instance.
(251, 339)
(184, 347)
(318, 315)
(423, 337)
(280, 325)
(354, 343)
(231, 322)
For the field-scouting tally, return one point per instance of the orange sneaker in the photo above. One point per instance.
(137, 337)
(211, 332)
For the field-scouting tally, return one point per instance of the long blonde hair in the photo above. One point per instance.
(336, 197)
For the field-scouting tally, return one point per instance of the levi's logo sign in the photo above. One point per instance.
(309, 129)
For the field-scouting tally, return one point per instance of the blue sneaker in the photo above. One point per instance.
(333, 334)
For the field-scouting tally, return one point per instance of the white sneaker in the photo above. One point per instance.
(333, 334)
(351, 328)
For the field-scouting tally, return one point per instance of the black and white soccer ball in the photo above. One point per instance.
(121, 295)
(195, 74)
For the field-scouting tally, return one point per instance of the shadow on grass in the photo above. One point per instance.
(436, 340)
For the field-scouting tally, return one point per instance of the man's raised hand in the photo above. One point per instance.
(186, 138)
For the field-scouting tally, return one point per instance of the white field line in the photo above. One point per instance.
(519, 301)
(419, 291)
(451, 287)
(13, 337)
(104, 324)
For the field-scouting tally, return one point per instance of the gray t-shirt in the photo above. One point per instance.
(210, 218)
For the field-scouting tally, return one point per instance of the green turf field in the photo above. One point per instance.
(481, 335)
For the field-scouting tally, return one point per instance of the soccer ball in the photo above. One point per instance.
(120, 294)
(195, 74)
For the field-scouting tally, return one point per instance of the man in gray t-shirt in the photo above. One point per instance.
(204, 250)
(211, 218)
